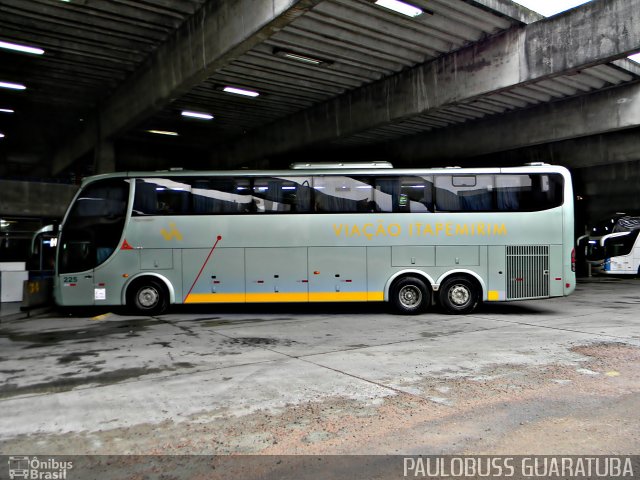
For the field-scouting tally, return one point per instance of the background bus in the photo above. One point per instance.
(612, 245)
(317, 234)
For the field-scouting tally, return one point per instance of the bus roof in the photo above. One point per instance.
(345, 169)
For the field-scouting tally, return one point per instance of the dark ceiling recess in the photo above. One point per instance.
(329, 77)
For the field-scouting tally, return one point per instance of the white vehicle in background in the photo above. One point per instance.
(612, 247)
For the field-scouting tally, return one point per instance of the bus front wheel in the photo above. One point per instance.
(459, 294)
(147, 296)
(410, 296)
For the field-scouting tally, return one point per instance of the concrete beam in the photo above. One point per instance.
(579, 153)
(218, 33)
(604, 111)
(508, 9)
(31, 199)
(598, 32)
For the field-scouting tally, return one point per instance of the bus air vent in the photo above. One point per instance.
(527, 271)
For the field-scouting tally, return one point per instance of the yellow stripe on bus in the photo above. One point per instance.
(375, 296)
(338, 297)
(284, 297)
(277, 297)
(493, 295)
(215, 298)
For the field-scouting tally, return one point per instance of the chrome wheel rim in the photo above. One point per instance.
(148, 297)
(410, 296)
(459, 295)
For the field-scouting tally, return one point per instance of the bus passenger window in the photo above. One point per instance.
(220, 195)
(464, 193)
(339, 194)
(416, 194)
(282, 195)
(528, 193)
(160, 196)
(512, 191)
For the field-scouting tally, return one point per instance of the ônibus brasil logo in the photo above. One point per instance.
(38, 468)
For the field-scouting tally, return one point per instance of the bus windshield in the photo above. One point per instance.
(94, 225)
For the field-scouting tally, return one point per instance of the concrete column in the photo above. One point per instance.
(104, 157)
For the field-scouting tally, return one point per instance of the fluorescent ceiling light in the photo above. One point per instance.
(12, 86)
(21, 48)
(163, 132)
(203, 116)
(300, 57)
(240, 91)
(400, 7)
(6, 110)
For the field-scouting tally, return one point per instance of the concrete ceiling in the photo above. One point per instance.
(465, 78)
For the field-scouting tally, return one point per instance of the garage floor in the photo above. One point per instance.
(545, 377)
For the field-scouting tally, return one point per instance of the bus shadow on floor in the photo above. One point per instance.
(305, 309)
(512, 309)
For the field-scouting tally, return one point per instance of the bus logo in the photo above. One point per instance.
(172, 233)
(19, 467)
(33, 467)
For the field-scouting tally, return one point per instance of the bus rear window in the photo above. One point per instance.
(527, 193)
(468, 193)
(498, 193)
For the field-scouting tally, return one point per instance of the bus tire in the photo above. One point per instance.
(459, 294)
(147, 296)
(410, 296)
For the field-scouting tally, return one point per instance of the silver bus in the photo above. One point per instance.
(319, 233)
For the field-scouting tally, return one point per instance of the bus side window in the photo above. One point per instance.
(202, 202)
(146, 199)
(220, 195)
(272, 195)
(416, 194)
(464, 193)
(387, 194)
(512, 192)
(161, 196)
(173, 202)
(340, 194)
(303, 197)
(528, 193)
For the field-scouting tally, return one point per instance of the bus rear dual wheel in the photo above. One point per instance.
(147, 296)
(457, 295)
(410, 296)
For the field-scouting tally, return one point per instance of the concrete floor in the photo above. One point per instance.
(554, 376)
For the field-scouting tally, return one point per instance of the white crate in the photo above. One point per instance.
(12, 266)
(11, 285)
